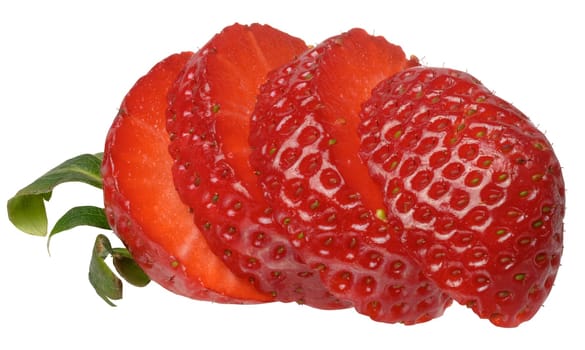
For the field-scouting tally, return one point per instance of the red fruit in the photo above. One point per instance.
(143, 207)
(305, 147)
(209, 116)
(477, 187)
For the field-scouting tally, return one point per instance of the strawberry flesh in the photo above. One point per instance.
(476, 187)
(209, 118)
(305, 148)
(143, 207)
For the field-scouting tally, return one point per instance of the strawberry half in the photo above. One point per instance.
(144, 209)
(305, 147)
(477, 188)
(210, 108)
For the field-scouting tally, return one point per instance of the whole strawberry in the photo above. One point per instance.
(477, 188)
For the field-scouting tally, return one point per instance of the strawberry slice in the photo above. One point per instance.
(210, 108)
(477, 188)
(143, 207)
(305, 148)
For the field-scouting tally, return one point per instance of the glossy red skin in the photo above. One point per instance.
(477, 187)
(210, 107)
(305, 147)
(143, 207)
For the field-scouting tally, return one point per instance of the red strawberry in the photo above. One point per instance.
(305, 147)
(476, 186)
(211, 104)
(143, 207)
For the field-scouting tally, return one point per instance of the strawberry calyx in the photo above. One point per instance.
(27, 212)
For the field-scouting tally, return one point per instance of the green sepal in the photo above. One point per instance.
(28, 213)
(128, 268)
(106, 284)
(26, 210)
(79, 216)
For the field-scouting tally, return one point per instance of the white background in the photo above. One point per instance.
(65, 67)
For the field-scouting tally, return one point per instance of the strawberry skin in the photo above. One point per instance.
(305, 148)
(476, 187)
(209, 116)
(143, 207)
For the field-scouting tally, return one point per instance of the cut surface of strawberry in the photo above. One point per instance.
(144, 209)
(305, 149)
(209, 117)
(477, 189)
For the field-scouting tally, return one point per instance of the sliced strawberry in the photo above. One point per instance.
(143, 207)
(211, 104)
(305, 146)
(477, 187)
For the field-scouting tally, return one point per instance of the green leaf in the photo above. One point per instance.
(128, 268)
(26, 210)
(83, 215)
(106, 284)
(79, 216)
(28, 214)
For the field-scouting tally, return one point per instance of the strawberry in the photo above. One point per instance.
(210, 107)
(260, 170)
(477, 189)
(305, 149)
(143, 207)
